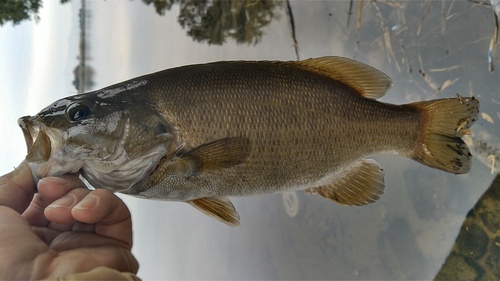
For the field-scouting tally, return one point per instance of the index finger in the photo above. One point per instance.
(101, 208)
(17, 188)
(49, 190)
(109, 214)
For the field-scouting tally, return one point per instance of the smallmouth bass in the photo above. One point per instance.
(201, 133)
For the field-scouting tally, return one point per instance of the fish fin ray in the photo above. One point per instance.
(444, 123)
(368, 81)
(361, 184)
(219, 208)
(218, 154)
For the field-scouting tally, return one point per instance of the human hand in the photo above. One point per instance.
(63, 229)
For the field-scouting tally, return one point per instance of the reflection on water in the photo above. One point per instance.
(430, 49)
(216, 21)
(17, 11)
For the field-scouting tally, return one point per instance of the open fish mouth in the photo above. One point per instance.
(37, 141)
(42, 142)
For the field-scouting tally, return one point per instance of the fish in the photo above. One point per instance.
(203, 133)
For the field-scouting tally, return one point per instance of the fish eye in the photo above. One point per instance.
(78, 112)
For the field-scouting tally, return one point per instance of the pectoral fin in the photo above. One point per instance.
(219, 208)
(219, 154)
(362, 184)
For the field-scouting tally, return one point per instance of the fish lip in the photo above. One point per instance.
(30, 127)
(41, 142)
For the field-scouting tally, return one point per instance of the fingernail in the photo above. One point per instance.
(63, 202)
(87, 203)
(57, 180)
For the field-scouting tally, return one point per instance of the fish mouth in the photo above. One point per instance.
(41, 142)
(37, 141)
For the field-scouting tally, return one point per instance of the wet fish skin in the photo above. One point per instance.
(203, 132)
(282, 126)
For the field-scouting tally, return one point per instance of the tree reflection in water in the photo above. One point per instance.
(216, 21)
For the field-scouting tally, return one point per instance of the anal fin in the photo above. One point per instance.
(361, 184)
(219, 208)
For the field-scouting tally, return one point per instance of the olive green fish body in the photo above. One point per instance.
(201, 133)
(303, 128)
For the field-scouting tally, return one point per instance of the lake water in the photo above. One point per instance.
(430, 49)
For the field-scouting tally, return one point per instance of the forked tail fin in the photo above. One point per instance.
(444, 122)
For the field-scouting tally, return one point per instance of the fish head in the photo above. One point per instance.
(112, 144)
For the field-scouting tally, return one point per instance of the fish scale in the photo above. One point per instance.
(282, 125)
(201, 133)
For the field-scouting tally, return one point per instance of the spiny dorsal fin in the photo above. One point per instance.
(368, 81)
(361, 184)
(219, 154)
(219, 208)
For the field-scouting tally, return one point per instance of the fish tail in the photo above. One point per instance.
(443, 124)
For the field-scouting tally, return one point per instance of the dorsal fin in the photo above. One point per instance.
(366, 80)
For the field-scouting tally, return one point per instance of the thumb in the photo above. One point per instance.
(17, 188)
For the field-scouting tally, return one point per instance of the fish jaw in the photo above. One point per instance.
(105, 160)
(44, 146)
(30, 130)
(123, 168)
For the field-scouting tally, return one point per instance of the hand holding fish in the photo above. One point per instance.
(62, 229)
